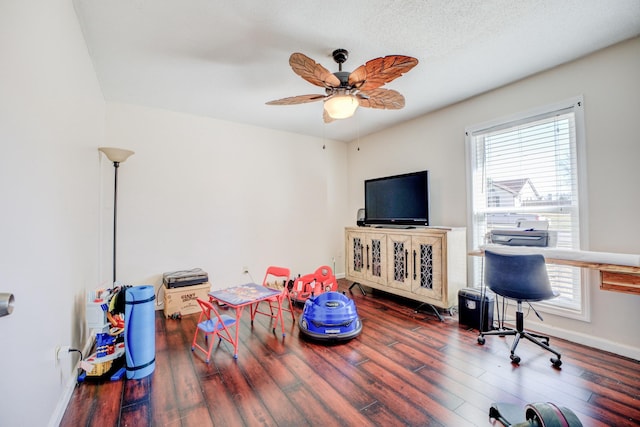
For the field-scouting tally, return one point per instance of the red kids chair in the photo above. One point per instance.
(276, 277)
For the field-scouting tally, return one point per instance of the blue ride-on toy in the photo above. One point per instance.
(330, 316)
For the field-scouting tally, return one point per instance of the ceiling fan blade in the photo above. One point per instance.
(385, 99)
(379, 71)
(358, 76)
(300, 99)
(312, 72)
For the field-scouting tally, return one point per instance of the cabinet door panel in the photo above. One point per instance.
(355, 255)
(426, 266)
(375, 252)
(398, 247)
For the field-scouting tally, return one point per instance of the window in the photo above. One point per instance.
(527, 168)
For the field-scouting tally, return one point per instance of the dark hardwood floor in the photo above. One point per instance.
(406, 368)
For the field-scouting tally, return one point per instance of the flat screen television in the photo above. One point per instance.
(397, 200)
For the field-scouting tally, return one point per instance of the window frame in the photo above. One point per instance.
(576, 105)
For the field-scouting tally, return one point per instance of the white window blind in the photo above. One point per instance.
(525, 169)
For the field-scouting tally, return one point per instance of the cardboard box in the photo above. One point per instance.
(183, 300)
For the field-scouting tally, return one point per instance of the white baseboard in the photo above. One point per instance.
(69, 387)
(588, 340)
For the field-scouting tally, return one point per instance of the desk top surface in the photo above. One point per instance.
(244, 294)
(606, 261)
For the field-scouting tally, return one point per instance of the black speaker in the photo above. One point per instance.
(469, 308)
(360, 218)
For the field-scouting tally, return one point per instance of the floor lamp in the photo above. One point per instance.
(117, 156)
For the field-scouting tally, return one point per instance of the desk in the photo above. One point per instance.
(618, 272)
(238, 297)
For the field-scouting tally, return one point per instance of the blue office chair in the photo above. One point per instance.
(522, 278)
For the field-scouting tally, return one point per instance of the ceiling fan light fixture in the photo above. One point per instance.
(341, 106)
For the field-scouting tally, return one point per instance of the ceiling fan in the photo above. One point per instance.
(345, 91)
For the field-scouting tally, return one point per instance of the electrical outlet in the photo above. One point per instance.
(59, 353)
(245, 270)
(62, 352)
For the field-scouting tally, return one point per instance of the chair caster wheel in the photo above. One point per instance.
(515, 359)
(556, 362)
(481, 340)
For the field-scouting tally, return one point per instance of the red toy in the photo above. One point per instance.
(320, 281)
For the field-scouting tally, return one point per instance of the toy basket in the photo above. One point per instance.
(100, 368)
(102, 365)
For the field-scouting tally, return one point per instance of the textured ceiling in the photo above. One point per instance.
(225, 59)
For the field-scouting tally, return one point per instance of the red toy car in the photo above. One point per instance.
(320, 281)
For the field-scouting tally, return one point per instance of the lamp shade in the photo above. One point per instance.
(116, 154)
(341, 106)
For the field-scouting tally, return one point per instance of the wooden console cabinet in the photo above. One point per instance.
(427, 264)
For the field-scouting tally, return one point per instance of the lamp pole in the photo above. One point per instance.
(117, 156)
(116, 165)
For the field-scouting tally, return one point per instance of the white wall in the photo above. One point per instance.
(51, 121)
(611, 88)
(217, 195)
(56, 191)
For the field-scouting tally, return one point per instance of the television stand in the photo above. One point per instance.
(433, 309)
(359, 286)
(427, 265)
(396, 226)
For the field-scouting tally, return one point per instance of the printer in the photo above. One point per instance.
(528, 233)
